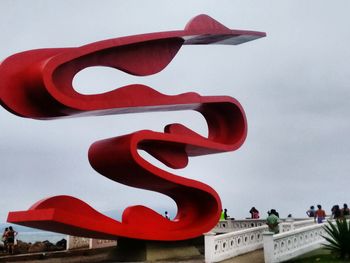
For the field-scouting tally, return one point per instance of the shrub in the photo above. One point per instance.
(339, 237)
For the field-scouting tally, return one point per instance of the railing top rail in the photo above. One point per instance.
(264, 219)
(303, 221)
(297, 231)
(239, 232)
(246, 219)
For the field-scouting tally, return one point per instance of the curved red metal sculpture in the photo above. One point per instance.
(38, 84)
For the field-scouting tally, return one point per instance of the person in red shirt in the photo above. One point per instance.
(320, 214)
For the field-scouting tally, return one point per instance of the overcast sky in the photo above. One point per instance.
(294, 86)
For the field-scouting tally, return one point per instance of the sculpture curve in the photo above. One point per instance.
(38, 84)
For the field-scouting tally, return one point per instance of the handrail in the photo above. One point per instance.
(237, 241)
(229, 225)
(226, 226)
(221, 247)
(292, 225)
(290, 244)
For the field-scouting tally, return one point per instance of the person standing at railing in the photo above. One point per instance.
(289, 218)
(272, 221)
(311, 211)
(336, 213)
(345, 211)
(224, 215)
(254, 213)
(320, 214)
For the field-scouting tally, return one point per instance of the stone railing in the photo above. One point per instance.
(239, 240)
(292, 225)
(290, 244)
(224, 246)
(226, 226)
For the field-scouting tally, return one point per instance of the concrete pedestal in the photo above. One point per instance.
(140, 250)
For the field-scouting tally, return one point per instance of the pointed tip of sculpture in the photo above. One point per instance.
(204, 22)
(203, 29)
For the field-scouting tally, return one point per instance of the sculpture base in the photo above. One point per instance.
(140, 250)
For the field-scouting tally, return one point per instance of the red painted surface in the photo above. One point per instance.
(38, 84)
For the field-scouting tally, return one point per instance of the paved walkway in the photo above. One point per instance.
(253, 257)
(256, 256)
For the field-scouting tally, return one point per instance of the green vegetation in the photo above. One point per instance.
(320, 255)
(339, 238)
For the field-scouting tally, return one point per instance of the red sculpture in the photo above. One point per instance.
(38, 84)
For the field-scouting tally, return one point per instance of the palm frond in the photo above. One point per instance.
(338, 237)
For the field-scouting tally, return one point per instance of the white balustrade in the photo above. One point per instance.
(248, 223)
(292, 225)
(293, 243)
(224, 246)
(226, 226)
(242, 236)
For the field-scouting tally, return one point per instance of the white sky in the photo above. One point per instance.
(294, 86)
